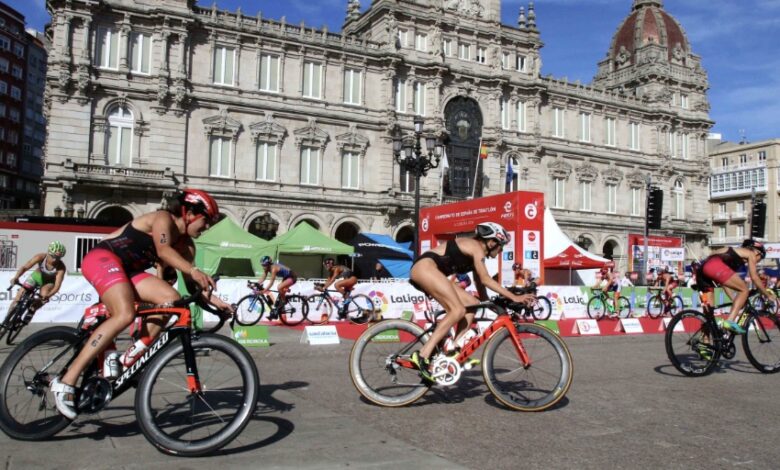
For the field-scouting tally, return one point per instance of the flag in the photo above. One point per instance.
(444, 183)
(483, 150)
(510, 173)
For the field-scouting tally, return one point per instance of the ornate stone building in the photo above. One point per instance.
(294, 122)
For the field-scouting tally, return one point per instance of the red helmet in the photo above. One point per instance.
(201, 202)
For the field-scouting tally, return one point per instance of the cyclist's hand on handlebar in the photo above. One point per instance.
(202, 279)
(523, 299)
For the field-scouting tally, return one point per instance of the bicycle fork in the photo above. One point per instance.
(193, 380)
(520, 348)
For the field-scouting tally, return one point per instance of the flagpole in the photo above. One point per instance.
(476, 169)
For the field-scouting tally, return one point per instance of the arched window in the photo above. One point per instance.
(679, 200)
(510, 183)
(119, 138)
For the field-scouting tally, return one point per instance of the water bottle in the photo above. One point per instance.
(111, 366)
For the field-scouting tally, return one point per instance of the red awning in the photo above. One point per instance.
(572, 258)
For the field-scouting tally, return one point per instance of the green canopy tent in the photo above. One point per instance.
(229, 250)
(304, 247)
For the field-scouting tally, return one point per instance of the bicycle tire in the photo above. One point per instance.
(249, 310)
(27, 410)
(542, 308)
(360, 309)
(625, 307)
(295, 310)
(655, 306)
(536, 386)
(16, 324)
(761, 343)
(165, 381)
(683, 347)
(676, 305)
(320, 309)
(596, 308)
(374, 373)
(8, 321)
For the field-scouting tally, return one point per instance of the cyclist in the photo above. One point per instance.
(609, 283)
(48, 275)
(669, 281)
(721, 267)
(346, 278)
(522, 276)
(117, 266)
(288, 279)
(461, 255)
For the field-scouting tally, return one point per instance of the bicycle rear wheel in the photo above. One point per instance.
(27, 409)
(535, 386)
(184, 423)
(542, 308)
(596, 308)
(693, 349)
(249, 310)
(761, 343)
(320, 309)
(295, 310)
(374, 368)
(360, 309)
(655, 306)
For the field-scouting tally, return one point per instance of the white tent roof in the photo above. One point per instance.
(556, 242)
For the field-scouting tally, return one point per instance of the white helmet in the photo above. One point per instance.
(488, 230)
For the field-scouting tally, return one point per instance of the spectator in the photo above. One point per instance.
(380, 272)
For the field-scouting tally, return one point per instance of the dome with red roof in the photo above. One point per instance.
(648, 24)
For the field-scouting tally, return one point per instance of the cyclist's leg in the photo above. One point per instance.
(345, 285)
(433, 282)
(465, 323)
(283, 288)
(738, 286)
(154, 290)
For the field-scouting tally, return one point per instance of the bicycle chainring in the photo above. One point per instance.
(96, 393)
(729, 351)
(446, 370)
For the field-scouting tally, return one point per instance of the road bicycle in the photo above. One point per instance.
(658, 306)
(251, 307)
(22, 313)
(357, 308)
(195, 391)
(695, 340)
(601, 304)
(526, 366)
(761, 302)
(541, 309)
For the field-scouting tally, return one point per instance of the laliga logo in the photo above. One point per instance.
(425, 224)
(380, 301)
(530, 211)
(507, 206)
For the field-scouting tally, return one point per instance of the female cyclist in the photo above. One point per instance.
(722, 267)
(347, 278)
(48, 275)
(461, 255)
(276, 269)
(116, 268)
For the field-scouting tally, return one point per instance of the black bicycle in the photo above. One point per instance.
(195, 391)
(251, 308)
(541, 309)
(21, 314)
(695, 340)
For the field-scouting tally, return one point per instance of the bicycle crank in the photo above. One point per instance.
(96, 393)
(446, 370)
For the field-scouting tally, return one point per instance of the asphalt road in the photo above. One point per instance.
(627, 408)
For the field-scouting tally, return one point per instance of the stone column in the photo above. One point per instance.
(124, 47)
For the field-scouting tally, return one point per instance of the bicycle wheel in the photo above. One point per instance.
(27, 409)
(761, 342)
(249, 310)
(655, 306)
(535, 386)
(542, 308)
(320, 309)
(360, 309)
(596, 308)
(676, 305)
(295, 310)
(694, 348)
(625, 307)
(184, 423)
(8, 322)
(16, 324)
(374, 368)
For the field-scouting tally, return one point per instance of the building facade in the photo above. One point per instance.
(285, 123)
(34, 134)
(740, 173)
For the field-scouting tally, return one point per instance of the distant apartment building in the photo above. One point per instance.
(740, 171)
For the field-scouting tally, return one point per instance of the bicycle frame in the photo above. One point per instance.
(608, 303)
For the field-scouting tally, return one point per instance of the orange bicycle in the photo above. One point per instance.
(526, 366)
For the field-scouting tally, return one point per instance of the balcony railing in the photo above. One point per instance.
(720, 217)
(121, 172)
(738, 167)
(738, 215)
(726, 240)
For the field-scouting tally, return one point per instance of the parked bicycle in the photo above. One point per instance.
(21, 314)
(251, 307)
(526, 366)
(357, 308)
(601, 305)
(195, 391)
(695, 340)
(659, 305)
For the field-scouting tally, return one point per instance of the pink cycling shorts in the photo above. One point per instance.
(717, 270)
(103, 269)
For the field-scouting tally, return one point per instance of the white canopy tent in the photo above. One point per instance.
(562, 257)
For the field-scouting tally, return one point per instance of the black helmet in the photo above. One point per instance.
(329, 261)
(758, 246)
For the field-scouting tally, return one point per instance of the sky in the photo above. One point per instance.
(738, 41)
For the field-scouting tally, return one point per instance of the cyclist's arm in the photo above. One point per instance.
(274, 271)
(753, 271)
(336, 272)
(33, 261)
(165, 234)
(262, 278)
(57, 284)
(483, 279)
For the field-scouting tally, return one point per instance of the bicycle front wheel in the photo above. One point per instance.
(625, 307)
(360, 309)
(596, 308)
(676, 305)
(691, 341)
(249, 310)
(295, 310)
(761, 343)
(27, 409)
(535, 385)
(374, 363)
(655, 306)
(542, 308)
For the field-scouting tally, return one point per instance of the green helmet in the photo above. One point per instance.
(57, 249)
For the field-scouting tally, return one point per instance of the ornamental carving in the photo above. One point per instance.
(352, 141)
(311, 135)
(636, 180)
(470, 8)
(222, 124)
(623, 56)
(612, 176)
(587, 173)
(559, 169)
(268, 130)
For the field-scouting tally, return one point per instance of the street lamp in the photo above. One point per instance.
(409, 156)
(265, 226)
